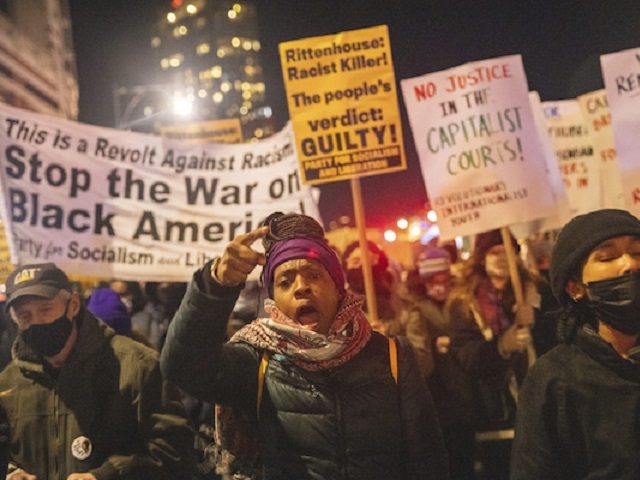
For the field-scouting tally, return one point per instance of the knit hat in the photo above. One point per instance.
(485, 240)
(433, 260)
(579, 237)
(106, 304)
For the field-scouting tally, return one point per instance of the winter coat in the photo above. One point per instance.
(349, 422)
(106, 411)
(579, 414)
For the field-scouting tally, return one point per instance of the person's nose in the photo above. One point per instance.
(302, 287)
(631, 263)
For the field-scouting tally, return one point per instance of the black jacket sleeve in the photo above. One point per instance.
(536, 450)
(195, 356)
(478, 356)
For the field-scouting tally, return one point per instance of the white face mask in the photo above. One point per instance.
(496, 265)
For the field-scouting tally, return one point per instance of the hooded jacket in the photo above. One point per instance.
(348, 422)
(106, 411)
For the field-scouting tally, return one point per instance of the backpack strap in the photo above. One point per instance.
(262, 371)
(393, 359)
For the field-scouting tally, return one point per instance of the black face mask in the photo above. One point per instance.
(49, 339)
(616, 302)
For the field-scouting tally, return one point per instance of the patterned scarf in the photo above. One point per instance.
(312, 351)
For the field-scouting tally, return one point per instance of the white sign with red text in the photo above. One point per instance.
(479, 150)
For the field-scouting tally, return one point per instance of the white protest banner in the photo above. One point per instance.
(478, 146)
(621, 73)
(115, 204)
(595, 108)
(574, 150)
(562, 212)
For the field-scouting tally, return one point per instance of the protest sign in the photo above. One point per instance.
(595, 108)
(562, 212)
(108, 203)
(575, 154)
(342, 101)
(478, 146)
(225, 130)
(621, 74)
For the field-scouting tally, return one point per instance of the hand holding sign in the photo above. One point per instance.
(239, 259)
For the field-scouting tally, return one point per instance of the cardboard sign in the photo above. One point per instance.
(341, 93)
(621, 73)
(124, 205)
(478, 145)
(595, 108)
(575, 153)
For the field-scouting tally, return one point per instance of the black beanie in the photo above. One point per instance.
(581, 235)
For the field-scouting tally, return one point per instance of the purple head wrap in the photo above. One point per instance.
(303, 248)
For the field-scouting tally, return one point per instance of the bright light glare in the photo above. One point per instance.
(390, 236)
(415, 231)
(191, 9)
(171, 17)
(402, 223)
(432, 216)
(182, 106)
(232, 14)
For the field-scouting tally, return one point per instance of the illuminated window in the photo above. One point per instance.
(203, 49)
(216, 71)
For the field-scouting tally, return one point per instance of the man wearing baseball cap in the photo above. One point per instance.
(82, 402)
(579, 408)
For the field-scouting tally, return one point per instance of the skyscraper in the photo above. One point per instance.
(37, 60)
(208, 55)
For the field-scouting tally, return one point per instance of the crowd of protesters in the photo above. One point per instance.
(457, 376)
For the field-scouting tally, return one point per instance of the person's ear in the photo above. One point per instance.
(74, 304)
(576, 290)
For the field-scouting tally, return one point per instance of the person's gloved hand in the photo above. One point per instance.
(514, 339)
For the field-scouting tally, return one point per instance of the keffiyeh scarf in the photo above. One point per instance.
(310, 350)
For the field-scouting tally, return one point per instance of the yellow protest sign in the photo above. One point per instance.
(341, 92)
(227, 130)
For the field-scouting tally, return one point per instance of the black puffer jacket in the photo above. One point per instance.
(351, 422)
(579, 414)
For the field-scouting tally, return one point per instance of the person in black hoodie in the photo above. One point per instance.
(579, 407)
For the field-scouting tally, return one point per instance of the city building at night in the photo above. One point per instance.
(208, 57)
(37, 61)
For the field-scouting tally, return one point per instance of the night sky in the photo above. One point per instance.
(560, 42)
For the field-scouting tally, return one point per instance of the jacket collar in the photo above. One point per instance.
(588, 340)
